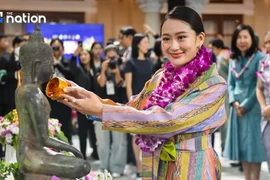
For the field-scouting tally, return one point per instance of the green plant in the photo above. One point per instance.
(10, 170)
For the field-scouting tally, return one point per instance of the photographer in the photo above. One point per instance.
(112, 154)
(109, 76)
(62, 70)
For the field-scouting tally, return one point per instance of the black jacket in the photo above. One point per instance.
(58, 110)
(4, 65)
(11, 82)
(82, 76)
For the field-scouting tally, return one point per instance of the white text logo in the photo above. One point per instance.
(24, 18)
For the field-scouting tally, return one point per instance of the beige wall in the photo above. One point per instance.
(261, 19)
(115, 14)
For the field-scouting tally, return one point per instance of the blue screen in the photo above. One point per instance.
(71, 34)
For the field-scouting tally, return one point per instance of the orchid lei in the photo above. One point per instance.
(244, 67)
(265, 63)
(174, 82)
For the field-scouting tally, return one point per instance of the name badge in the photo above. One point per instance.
(110, 88)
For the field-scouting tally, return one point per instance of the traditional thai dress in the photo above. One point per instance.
(187, 124)
(265, 124)
(244, 141)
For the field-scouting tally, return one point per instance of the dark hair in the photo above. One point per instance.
(110, 47)
(17, 40)
(254, 46)
(59, 40)
(218, 43)
(96, 43)
(127, 31)
(92, 64)
(157, 47)
(110, 41)
(2, 35)
(187, 15)
(135, 42)
(211, 41)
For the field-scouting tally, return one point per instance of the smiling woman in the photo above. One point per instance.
(182, 39)
(177, 110)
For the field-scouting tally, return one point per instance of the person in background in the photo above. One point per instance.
(125, 37)
(243, 142)
(62, 70)
(85, 76)
(12, 76)
(267, 42)
(160, 58)
(96, 50)
(26, 37)
(112, 146)
(263, 95)
(151, 53)
(210, 46)
(4, 57)
(138, 71)
(223, 68)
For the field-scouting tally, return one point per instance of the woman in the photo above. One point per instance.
(84, 74)
(263, 95)
(160, 58)
(178, 109)
(267, 42)
(138, 70)
(96, 50)
(243, 141)
(222, 61)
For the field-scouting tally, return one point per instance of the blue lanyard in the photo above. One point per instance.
(94, 118)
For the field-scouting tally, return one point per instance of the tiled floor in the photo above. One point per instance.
(228, 173)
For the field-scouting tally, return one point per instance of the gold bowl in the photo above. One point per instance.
(55, 87)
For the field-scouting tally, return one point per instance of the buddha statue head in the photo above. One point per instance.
(36, 58)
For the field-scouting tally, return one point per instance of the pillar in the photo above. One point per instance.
(151, 9)
(197, 5)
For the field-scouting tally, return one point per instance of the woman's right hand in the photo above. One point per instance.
(77, 51)
(266, 113)
(237, 107)
(104, 65)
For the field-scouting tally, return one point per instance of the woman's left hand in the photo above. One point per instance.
(82, 100)
(242, 110)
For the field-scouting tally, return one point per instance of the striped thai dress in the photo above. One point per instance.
(187, 123)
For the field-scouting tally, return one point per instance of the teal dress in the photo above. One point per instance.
(243, 142)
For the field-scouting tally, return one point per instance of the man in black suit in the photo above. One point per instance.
(4, 57)
(11, 78)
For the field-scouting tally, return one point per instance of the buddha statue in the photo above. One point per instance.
(36, 159)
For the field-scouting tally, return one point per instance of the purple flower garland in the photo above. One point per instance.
(174, 82)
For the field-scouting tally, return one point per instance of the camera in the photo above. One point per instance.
(80, 43)
(56, 48)
(114, 62)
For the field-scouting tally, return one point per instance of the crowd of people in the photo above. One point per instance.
(120, 71)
